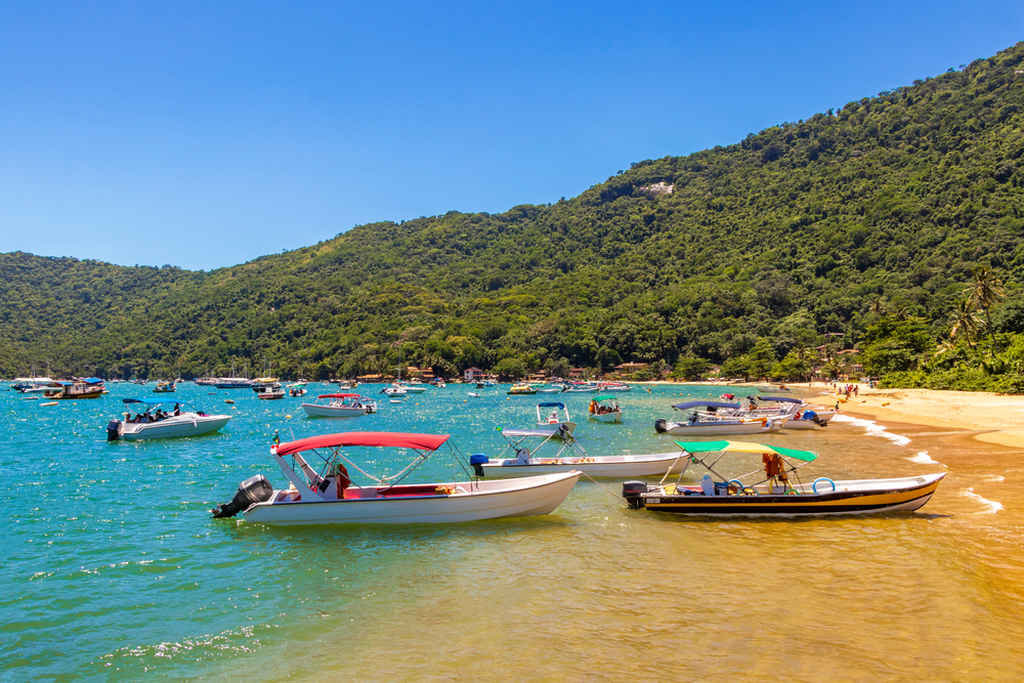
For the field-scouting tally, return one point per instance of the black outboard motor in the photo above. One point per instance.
(660, 425)
(255, 489)
(113, 430)
(477, 461)
(631, 491)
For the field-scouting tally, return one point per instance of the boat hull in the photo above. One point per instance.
(606, 417)
(858, 497)
(598, 467)
(473, 501)
(711, 429)
(174, 427)
(315, 410)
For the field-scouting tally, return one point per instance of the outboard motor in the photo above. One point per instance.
(660, 425)
(631, 491)
(477, 461)
(113, 430)
(255, 489)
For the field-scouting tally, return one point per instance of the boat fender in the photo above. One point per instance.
(478, 460)
(814, 486)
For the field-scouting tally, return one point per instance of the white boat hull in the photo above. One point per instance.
(471, 501)
(712, 429)
(606, 417)
(599, 467)
(315, 410)
(174, 427)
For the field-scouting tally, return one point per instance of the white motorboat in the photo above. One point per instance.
(340, 405)
(269, 391)
(394, 390)
(152, 423)
(413, 388)
(599, 466)
(614, 386)
(324, 494)
(703, 423)
(568, 456)
(777, 494)
(605, 409)
(550, 423)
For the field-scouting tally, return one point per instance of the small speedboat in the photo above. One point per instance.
(164, 387)
(614, 386)
(521, 390)
(322, 492)
(550, 423)
(605, 409)
(340, 405)
(153, 423)
(527, 447)
(395, 390)
(297, 390)
(779, 493)
(703, 423)
(269, 391)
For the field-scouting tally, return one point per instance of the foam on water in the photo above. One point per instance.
(873, 428)
(991, 506)
(922, 458)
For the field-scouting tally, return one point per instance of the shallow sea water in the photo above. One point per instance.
(114, 568)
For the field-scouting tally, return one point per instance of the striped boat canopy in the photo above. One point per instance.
(744, 447)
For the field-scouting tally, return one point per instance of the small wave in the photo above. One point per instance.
(993, 478)
(873, 429)
(991, 506)
(922, 458)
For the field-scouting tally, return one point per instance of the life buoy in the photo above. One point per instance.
(814, 486)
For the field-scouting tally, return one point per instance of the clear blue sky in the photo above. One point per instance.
(204, 134)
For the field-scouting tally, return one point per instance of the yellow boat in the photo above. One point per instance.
(775, 495)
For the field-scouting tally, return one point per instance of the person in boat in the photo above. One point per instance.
(593, 407)
(177, 410)
(523, 455)
(775, 471)
(553, 418)
(751, 403)
(693, 418)
(341, 478)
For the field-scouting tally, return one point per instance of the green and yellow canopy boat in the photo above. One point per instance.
(778, 492)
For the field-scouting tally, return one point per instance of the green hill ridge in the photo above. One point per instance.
(866, 226)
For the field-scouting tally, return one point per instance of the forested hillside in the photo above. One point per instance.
(895, 224)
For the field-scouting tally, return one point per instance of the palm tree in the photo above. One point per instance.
(986, 291)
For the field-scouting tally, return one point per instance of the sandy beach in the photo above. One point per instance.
(992, 418)
(988, 417)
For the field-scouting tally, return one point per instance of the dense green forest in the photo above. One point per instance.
(894, 224)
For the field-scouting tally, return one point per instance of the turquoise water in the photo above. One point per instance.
(113, 563)
(114, 568)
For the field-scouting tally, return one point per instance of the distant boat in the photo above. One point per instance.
(153, 424)
(522, 390)
(605, 409)
(340, 405)
(164, 387)
(702, 423)
(269, 392)
(91, 387)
